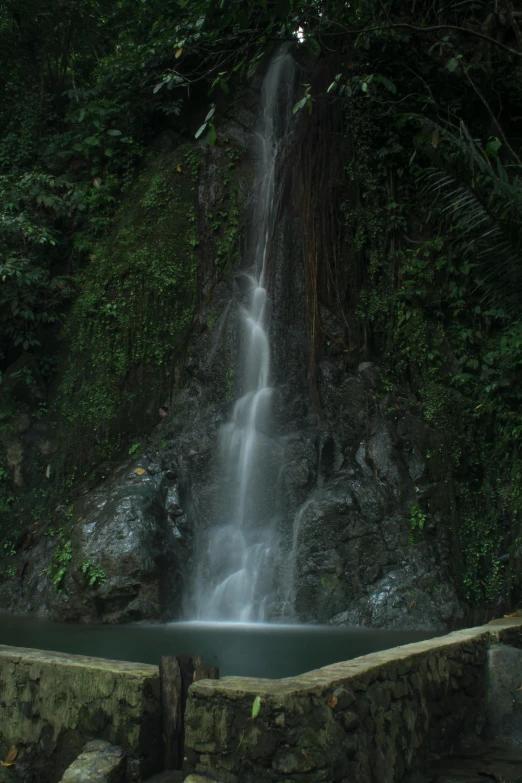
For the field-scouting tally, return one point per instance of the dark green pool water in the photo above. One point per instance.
(252, 650)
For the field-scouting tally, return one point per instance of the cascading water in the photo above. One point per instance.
(236, 573)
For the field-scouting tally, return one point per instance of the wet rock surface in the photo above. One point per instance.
(351, 549)
(370, 547)
(127, 553)
(365, 513)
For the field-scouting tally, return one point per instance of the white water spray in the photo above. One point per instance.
(235, 580)
(291, 570)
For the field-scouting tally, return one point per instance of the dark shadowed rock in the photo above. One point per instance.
(358, 559)
(504, 694)
(128, 547)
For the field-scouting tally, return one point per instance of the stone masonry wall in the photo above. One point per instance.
(51, 704)
(368, 720)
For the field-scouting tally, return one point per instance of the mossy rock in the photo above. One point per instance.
(135, 308)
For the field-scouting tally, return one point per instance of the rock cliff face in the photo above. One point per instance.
(366, 512)
(361, 555)
(348, 550)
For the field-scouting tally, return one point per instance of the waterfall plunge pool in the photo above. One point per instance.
(241, 649)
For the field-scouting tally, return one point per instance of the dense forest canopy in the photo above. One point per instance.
(419, 242)
(86, 84)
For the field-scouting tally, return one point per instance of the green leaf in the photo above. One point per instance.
(299, 105)
(256, 707)
(493, 147)
(388, 84)
(114, 133)
(201, 130)
(453, 64)
(334, 83)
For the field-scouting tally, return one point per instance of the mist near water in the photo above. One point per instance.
(236, 558)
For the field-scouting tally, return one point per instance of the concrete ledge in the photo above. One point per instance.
(370, 719)
(51, 704)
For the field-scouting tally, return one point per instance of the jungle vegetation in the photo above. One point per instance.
(411, 119)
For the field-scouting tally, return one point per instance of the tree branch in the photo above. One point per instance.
(492, 116)
(397, 25)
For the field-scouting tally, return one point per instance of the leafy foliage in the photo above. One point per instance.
(94, 574)
(417, 111)
(425, 275)
(133, 313)
(60, 562)
(417, 518)
(482, 202)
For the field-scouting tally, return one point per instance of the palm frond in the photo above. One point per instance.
(482, 201)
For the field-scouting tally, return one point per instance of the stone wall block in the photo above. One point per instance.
(400, 689)
(378, 728)
(52, 704)
(350, 721)
(344, 698)
(504, 694)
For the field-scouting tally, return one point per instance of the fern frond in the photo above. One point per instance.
(483, 203)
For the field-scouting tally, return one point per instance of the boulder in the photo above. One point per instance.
(99, 762)
(124, 551)
(198, 779)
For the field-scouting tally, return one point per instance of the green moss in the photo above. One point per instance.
(134, 311)
(229, 383)
(425, 321)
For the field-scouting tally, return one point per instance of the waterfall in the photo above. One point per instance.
(291, 569)
(239, 554)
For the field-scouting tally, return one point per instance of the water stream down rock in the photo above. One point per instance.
(236, 558)
(241, 506)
